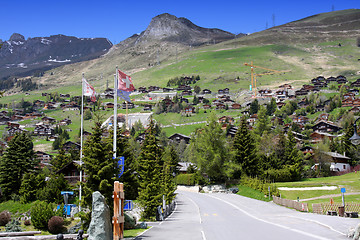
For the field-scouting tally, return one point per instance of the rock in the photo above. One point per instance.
(100, 226)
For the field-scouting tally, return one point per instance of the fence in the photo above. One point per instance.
(291, 204)
(324, 208)
(30, 236)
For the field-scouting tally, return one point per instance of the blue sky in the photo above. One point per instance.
(117, 20)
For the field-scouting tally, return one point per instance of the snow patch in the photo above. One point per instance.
(22, 65)
(18, 43)
(59, 61)
(45, 41)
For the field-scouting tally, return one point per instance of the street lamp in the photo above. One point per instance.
(355, 139)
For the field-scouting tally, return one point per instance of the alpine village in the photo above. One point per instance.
(196, 108)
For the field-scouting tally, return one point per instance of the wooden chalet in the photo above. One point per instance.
(109, 105)
(167, 89)
(236, 106)
(354, 91)
(129, 105)
(44, 130)
(356, 83)
(44, 158)
(220, 106)
(326, 127)
(168, 102)
(17, 117)
(206, 106)
(355, 110)
(347, 103)
(71, 172)
(302, 92)
(153, 88)
(356, 102)
(320, 108)
(4, 119)
(189, 109)
(147, 107)
(301, 120)
(317, 136)
(226, 119)
(178, 137)
(252, 119)
(65, 122)
(142, 90)
(183, 87)
(66, 95)
(14, 130)
(69, 145)
(231, 131)
(265, 92)
(307, 149)
(331, 79)
(286, 86)
(186, 93)
(206, 91)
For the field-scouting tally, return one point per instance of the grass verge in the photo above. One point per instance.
(251, 193)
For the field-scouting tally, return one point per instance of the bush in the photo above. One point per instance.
(27, 222)
(185, 179)
(5, 217)
(13, 226)
(56, 225)
(41, 214)
(260, 185)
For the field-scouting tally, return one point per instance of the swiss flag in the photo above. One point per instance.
(124, 82)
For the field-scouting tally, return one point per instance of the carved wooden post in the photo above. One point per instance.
(118, 218)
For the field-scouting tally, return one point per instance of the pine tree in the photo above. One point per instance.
(262, 123)
(149, 169)
(209, 150)
(128, 178)
(60, 160)
(245, 160)
(99, 166)
(30, 185)
(170, 159)
(18, 159)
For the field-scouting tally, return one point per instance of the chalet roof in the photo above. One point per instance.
(336, 155)
(180, 135)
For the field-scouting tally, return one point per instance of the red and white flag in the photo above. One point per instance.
(88, 90)
(124, 82)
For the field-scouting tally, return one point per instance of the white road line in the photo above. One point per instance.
(203, 235)
(275, 224)
(198, 208)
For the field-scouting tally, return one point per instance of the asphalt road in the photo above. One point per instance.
(228, 216)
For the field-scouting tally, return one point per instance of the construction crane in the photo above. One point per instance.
(254, 75)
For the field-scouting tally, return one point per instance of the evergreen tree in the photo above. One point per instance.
(170, 159)
(209, 150)
(60, 160)
(18, 159)
(244, 160)
(99, 166)
(52, 191)
(254, 106)
(262, 123)
(128, 178)
(271, 107)
(30, 185)
(149, 169)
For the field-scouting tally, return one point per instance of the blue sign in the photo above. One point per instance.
(128, 205)
(343, 190)
(121, 165)
(250, 88)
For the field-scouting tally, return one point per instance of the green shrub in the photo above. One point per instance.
(56, 225)
(41, 214)
(5, 217)
(260, 185)
(185, 179)
(13, 226)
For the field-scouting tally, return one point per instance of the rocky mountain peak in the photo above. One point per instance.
(171, 28)
(16, 37)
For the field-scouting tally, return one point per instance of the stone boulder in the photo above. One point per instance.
(100, 226)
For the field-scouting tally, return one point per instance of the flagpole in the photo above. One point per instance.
(127, 118)
(115, 112)
(81, 136)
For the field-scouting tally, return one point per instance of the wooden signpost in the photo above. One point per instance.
(118, 218)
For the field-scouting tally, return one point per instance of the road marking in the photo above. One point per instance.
(265, 221)
(198, 208)
(203, 235)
